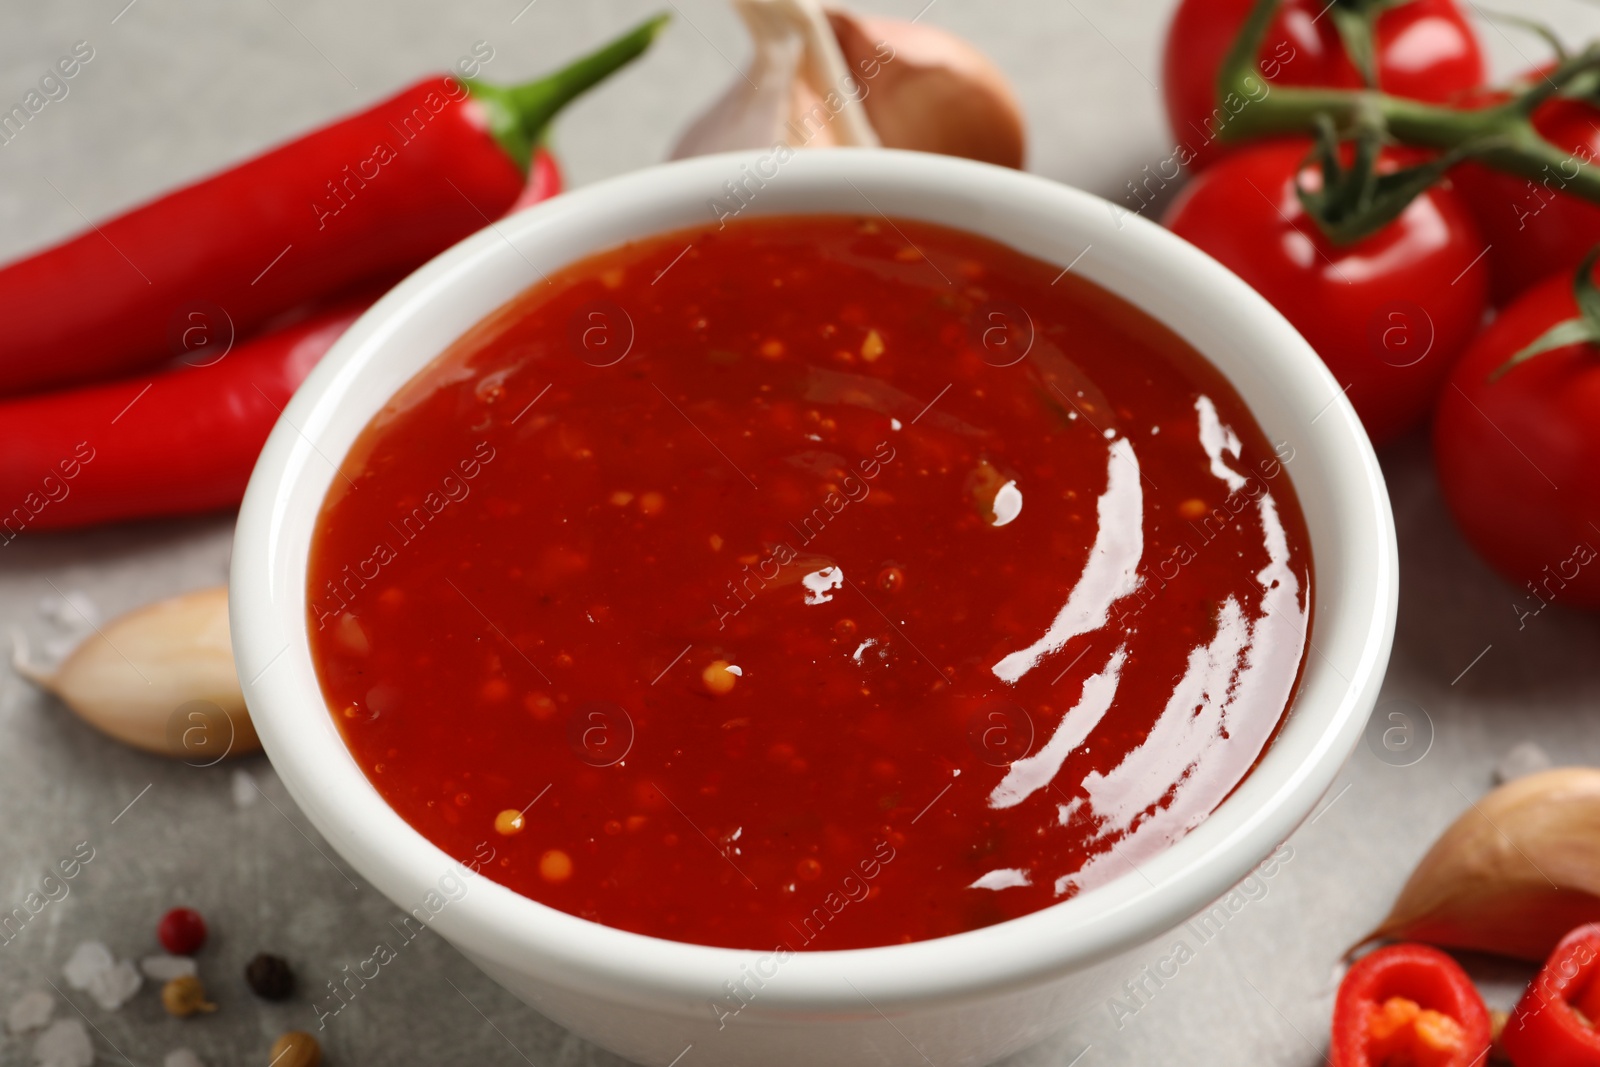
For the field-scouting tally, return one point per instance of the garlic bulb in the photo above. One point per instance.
(819, 79)
(935, 92)
(1513, 875)
(160, 678)
(795, 66)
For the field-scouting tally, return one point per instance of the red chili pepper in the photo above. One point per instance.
(1409, 1006)
(180, 442)
(378, 193)
(1555, 1023)
(544, 181)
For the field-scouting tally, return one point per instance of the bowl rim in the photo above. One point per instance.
(495, 924)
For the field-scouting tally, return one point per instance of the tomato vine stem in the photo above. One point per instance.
(1501, 136)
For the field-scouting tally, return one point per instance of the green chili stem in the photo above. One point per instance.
(518, 114)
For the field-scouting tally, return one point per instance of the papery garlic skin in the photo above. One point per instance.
(1513, 875)
(930, 91)
(161, 679)
(796, 68)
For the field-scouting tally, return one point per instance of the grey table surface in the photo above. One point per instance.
(177, 88)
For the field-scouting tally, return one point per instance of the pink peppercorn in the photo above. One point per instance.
(182, 931)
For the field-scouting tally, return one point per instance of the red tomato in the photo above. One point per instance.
(1535, 229)
(1388, 314)
(1519, 457)
(1426, 51)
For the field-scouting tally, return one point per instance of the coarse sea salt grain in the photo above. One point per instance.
(111, 982)
(244, 788)
(31, 1011)
(72, 610)
(116, 985)
(166, 968)
(64, 1044)
(86, 961)
(71, 616)
(182, 1057)
(1521, 760)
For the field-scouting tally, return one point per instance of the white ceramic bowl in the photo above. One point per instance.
(967, 999)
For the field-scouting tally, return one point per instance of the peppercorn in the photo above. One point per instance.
(182, 931)
(185, 996)
(270, 977)
(295, 1048)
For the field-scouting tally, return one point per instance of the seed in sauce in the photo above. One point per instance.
(555, 866)
(719, 676)
(872, 347)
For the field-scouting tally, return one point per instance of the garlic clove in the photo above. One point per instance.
(759, 102)
(836, 78)
(160, 679)
(929, 90)
(796, 68)
(1513, 875)
(828, 82)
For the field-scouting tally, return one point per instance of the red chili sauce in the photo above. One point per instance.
(814, 582)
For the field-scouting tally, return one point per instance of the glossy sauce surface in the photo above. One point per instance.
(815, 582)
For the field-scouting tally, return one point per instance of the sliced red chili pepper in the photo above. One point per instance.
(378, 193)
(1555, 1023)
(1408, 1006)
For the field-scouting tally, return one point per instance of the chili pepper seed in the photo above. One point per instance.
(718, 678)
(555, 866)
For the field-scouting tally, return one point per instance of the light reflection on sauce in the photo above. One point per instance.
(1112, 571)
(1197, 752)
